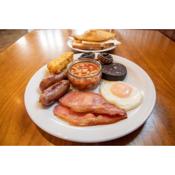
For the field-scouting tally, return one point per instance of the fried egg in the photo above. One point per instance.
(121, 94)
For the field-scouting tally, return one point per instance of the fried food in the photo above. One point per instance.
(114, 72)
(85, 119)
(95, 36)
(88, 45)
(80, 101)
(52, 79)
(90, 55)
(121, 94)
(58, 64)
(87, 109)
(105, 58)
(54, 92)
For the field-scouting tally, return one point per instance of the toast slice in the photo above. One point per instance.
(95, 36)
(84, 45)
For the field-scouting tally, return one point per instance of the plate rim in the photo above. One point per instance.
(97, 140)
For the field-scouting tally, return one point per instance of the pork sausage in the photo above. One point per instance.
(54, 92)
(52, 79)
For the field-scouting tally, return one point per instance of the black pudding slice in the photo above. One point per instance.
(105, 58)
(113, 72)
(87, 55)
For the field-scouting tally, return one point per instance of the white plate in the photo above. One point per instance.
(69, 43)
(46, 120)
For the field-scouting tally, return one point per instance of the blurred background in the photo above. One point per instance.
(8, 36)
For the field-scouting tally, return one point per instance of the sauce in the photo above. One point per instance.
(84, 69)
(85, 75)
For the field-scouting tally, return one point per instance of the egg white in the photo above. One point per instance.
(132, 101)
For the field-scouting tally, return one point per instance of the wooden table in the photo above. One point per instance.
(150, 49)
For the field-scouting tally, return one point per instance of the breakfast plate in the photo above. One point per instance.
(69, 43)
(46, 120)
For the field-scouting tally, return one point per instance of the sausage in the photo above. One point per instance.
(54, 92)
(52, 79)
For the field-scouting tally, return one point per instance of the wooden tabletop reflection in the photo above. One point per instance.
(150, 49)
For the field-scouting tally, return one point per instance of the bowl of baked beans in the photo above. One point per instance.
(85, 74)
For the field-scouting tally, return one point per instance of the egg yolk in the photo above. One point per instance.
(121, 90)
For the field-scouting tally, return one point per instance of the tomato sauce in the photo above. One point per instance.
(84, 69)
(85, 75)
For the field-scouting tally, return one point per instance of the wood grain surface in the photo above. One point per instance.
(150, 49)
